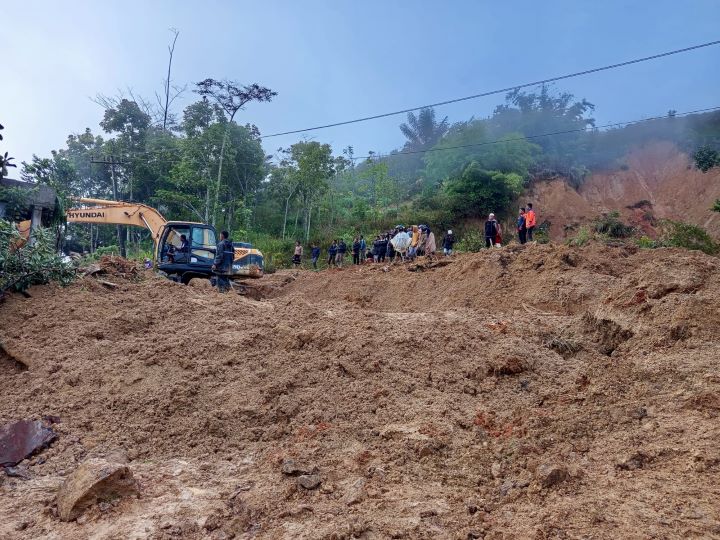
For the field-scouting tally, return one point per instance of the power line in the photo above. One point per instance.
(539, 135)
(499, 91)
(469, 145)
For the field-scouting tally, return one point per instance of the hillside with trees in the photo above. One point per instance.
(209, 165)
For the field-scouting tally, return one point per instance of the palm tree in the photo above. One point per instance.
(423, 131)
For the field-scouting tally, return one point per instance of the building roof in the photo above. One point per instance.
(41, 195)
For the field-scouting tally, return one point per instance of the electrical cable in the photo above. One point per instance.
(499, 91)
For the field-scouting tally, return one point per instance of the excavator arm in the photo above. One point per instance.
(118, 213)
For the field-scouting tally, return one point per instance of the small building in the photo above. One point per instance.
(38, 206)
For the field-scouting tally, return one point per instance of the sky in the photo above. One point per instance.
(336, 60)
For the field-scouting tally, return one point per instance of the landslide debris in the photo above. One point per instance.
(508, 394)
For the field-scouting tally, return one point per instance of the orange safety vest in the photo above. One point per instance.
(530, 218)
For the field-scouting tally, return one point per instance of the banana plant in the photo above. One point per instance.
(4, 164)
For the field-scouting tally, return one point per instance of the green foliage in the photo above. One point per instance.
(647, 243)
(611, 225)
(716, 206)
(29, 263)
(423, 131)
(542, 233)
(16, 202)
(477, 192)
(5, 159)
(581, 238)
(276, 251)
(471, 241)
(684, 235)
(706, 158)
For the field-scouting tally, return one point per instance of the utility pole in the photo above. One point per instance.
(119, 228)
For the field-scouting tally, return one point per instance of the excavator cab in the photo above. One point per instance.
(189, 259)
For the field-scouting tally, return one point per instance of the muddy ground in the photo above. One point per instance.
(536, 392)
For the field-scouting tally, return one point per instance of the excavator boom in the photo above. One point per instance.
(118, 213)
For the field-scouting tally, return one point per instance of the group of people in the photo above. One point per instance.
(400, 243)
(407, 243)
(526, 223)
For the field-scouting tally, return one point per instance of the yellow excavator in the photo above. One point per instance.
(182, 249)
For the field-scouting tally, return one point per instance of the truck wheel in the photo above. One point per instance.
(185, 279)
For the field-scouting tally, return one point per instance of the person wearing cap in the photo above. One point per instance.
(448, 243)
(491, 231)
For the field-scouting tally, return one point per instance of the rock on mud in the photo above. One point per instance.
(549, 475)
(292, 468)
(94, 480)
(21, 439)
(309, 481)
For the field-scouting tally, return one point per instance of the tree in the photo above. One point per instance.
(310, 166)
(706, 158)
(23, 264)
(423, 131)
(4, 159)
(231, 97)
(544, 112)
(476, 192)
(166, 101)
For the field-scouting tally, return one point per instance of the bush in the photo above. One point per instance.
(542, 234)
(471, 242)
(276, 251)
(646, 242)
(583, 236)
(684, 235)
(706, 158)
(29, 263)
(611, 225)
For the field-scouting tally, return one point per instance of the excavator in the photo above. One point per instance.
(183, 250)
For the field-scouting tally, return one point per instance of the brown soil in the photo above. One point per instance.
(528, 392)
(659, 182)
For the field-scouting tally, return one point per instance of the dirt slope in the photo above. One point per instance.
(536, 392)
(657, 173)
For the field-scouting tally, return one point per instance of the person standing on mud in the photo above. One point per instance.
(389, 249)
(356, 250)
(341, 251)
(430, 247)
(491, 231)
(448, 243)
(222, 265)
(332, 253)
(363, 248)
(522, 227)
(383, 247)
(530, 221)
(297, 256)
(315, 255)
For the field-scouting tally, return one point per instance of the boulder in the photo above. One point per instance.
(21, 439)
(309, 481)
(549, 475)
(95, 480)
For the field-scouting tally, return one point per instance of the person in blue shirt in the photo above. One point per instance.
(332, 253)
(363, 248)
(522, 227)
(315, 255)
(222, 265)
(341, 251)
